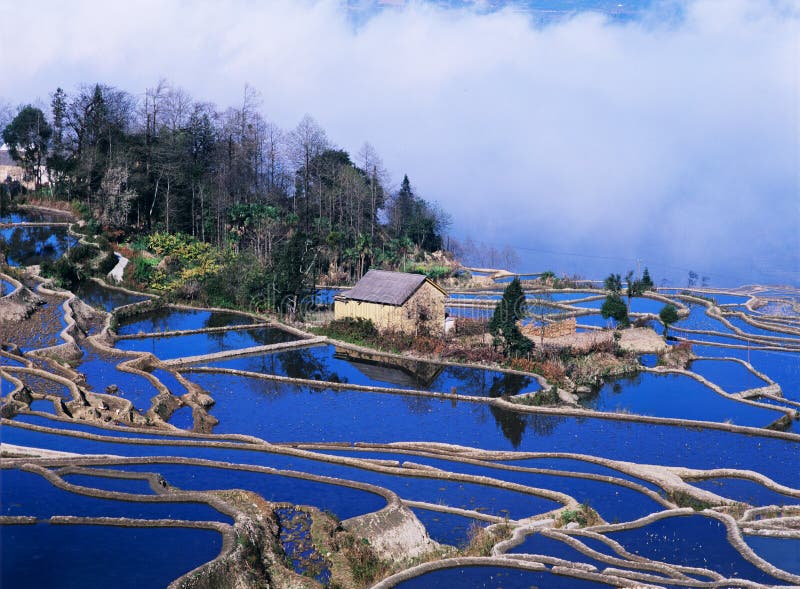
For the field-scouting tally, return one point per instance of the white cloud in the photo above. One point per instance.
(672, 140)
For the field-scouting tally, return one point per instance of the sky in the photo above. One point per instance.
(588, 134)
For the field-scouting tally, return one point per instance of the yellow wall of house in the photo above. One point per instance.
(427, 301)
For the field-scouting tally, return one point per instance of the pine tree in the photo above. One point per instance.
(646, 281)
(614, 308)
(503, 325)
(668, 316)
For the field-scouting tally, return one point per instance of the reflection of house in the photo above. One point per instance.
(11, 169)
(395, 301)
(402, 372)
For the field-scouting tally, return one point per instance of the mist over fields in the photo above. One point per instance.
(668, 133)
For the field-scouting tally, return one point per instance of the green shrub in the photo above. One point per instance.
(583, 516)
(82, 252)
(143, 270)
(353, 328)
(62, 272)
(104, 244)
(107, 264)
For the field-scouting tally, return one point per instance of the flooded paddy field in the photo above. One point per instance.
(169, 347)
(460, 451)
(342, 365)
(92, 556)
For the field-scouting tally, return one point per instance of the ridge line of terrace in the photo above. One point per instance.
(224, 355)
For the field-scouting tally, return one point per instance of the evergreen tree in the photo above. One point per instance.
(668, 316)
(294, 276)
(614, 308)
(613, 283)
(647, 282)
(28, 139)
(503, 325)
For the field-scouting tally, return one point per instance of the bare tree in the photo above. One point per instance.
(307, 141)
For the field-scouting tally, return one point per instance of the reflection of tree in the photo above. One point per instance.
(418, 404)
(222, 319)
(31, 245)
(307, 363)
(506, 385)
(469, 378)
(271, 335)
(513, 424)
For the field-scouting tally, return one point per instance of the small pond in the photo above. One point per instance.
(97, 295)
(171, 319)
(746, 491)
(675, 395)
(25, 493)
(784, 553)
(168, 347)
(28, 246)
(488, 577)
(448, 528)
(693, 540)
(329, 363)
(731, 376)
(49, 556)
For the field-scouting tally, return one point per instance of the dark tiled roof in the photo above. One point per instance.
(387, 288)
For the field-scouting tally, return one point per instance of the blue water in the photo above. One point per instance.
(5, 287)
(48, 556)
(345, 502)
(447, 528)
(746, 491)
(169, 380)
(753, 330)
(791, 295)
(25, 493)
(594, 320)
(34, 216)
(649, 360)
(507, 279)
(694, 540)
(81, 426)
(6, 361)
(329, 363)
(33, 245)
(169, 347)
(782, 367)
(95, 295)
(698, 319)
(169, 319)
(480, 297)
(731, 376)
(613, 502)
(638, 305)
(44, 406)
(101, 371)
(784, 553)
(369, 417)
(297, 543)
(726, 298)
(469, 312)
(561, 296)
(675, 395)
(121, 485)
(539, 544)
(480, 577)
(182, 418)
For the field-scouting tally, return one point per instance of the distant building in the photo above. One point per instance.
(11, 169)
(397, 301)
